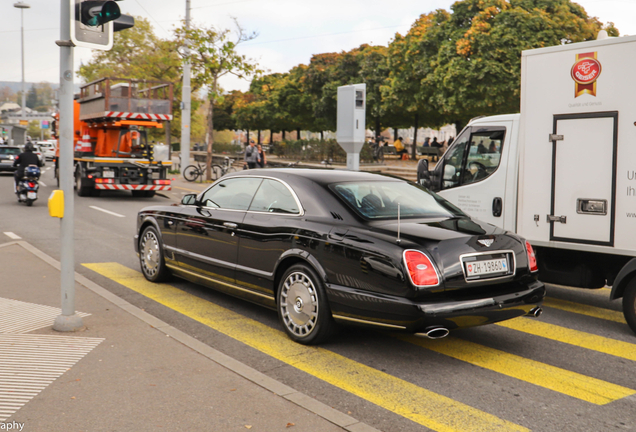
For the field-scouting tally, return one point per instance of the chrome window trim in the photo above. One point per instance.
(406, 269)
(506, 276)
(221, 263)
(294, 195)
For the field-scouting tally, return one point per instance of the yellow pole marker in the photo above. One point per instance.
(422, 406)
(560, 380)
(572, 337)
(56, 203)
(582, 309)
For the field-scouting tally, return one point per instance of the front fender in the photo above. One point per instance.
(142, 223)
(623, 278)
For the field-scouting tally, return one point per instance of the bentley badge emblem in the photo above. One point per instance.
(486, 242)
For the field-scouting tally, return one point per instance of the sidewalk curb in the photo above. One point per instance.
(312, 405)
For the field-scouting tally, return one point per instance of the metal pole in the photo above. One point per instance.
(22, 7)
(185, 103)
(68, 320)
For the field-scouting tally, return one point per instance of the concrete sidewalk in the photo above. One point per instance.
(128, 371)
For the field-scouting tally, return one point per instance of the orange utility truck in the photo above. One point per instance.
(111, 146)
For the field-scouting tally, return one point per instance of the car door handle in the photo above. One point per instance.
(497, 207)
(230, 225)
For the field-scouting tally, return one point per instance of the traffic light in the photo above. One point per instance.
(94, 21)
(95, 13)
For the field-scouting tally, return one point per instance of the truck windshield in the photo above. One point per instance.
(380, 199)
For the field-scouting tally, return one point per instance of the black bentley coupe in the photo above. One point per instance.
(329, 246)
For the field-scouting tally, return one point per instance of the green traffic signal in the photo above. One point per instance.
(96, 13)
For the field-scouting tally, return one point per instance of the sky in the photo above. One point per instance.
(289, 31)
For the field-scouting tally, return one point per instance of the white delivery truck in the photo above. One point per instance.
(562, 173)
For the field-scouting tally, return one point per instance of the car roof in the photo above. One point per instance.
(322, 176)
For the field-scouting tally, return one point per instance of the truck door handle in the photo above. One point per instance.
(230, 225)
(497, 207)
(552, 218)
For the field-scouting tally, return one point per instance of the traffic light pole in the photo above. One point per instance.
(185, 103)
(68, 321)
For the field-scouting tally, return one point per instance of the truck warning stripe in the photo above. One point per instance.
(422, 406)
(104, 186)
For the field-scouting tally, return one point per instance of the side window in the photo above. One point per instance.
(453, 161)
(484, 155)
(233, 194)
(274, 197)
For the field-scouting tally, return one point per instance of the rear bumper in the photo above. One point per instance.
(358, 307)
(131, 187)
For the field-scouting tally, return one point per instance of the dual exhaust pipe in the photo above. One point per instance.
(442, 332)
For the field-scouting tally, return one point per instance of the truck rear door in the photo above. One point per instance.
(474, 173)
(584, 178)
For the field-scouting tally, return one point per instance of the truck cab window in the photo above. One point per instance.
(473, 157)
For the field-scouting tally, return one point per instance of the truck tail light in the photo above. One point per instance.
(105, 180)
(420, 268)
(161, 182)
(532, 259)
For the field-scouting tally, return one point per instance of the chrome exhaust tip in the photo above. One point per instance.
(434, 333)
(535, 312)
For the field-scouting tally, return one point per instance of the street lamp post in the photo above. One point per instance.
(22, 6)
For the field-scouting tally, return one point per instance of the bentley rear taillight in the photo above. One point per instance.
(532, 259)
(420, 268)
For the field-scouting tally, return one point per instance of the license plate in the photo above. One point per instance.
(109, 174)
(32, 195)
(479, 268)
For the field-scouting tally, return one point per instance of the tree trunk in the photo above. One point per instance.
(395, 134)
(322, 136)
(259, 137)
(459, 125)
(377, 126)
(283, 134)
(247, 138)
(271, 137)
(208, 159)
(414, 149)
(298, 134)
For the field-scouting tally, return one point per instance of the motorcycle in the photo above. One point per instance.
(27, 188)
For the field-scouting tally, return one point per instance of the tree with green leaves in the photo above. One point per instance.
(478, 65)
(212, 54)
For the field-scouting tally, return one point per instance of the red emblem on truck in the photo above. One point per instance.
(585, 72)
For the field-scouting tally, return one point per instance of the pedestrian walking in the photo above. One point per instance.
(251, 155)
(262, 159)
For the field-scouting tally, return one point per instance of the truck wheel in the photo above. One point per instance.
(629, 305)
(80, 185)
(151, 259)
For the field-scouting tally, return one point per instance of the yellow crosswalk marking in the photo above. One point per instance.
(582, 309)
(551, 377)
(422, 406)
(572, 337)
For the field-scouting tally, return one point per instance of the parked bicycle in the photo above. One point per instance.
(194, 172)
(378, 150)
(219, 171)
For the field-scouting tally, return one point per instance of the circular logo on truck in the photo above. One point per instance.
(586, 71)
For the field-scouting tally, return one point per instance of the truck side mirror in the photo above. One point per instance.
(189, 199)
(423, 176)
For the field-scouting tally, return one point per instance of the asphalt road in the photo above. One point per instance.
(570, 370)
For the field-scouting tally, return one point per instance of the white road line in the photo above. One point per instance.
(42, 184)
(47, 350)
(12, 236)
(106, 211)
(21, 317)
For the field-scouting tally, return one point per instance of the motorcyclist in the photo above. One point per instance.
(23, 160)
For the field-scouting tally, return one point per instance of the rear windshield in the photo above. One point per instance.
(9, 151)
(381, 199)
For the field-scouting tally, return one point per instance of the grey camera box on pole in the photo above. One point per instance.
(351, 124)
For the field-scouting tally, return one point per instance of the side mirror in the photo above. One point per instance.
(189, 199)
(423, 176)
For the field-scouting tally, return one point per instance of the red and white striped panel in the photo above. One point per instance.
(131, 187)
(138, 116)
